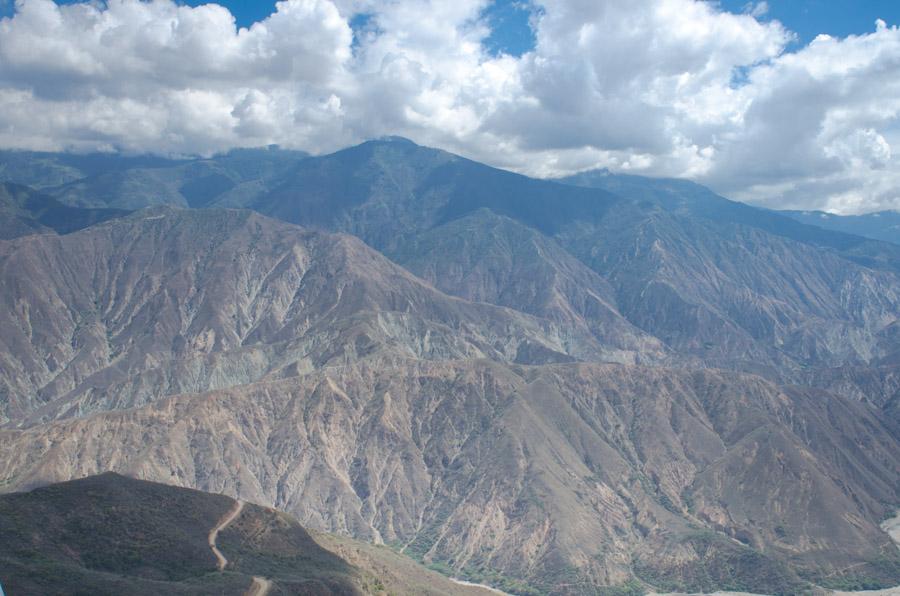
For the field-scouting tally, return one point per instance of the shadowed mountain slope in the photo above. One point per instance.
(688, 198)
(44, 170)
(882, 225)
(715, 280)
(384, 191)
(24, 212)
(228, 180)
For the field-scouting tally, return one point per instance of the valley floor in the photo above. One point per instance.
(892, 527)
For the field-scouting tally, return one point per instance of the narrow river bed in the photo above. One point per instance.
(482, 586)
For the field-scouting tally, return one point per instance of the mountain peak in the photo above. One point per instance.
(395, 139)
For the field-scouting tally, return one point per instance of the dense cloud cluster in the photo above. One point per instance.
(658, 87)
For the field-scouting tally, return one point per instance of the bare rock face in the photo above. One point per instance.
(170, 301)
(550, 474)
(745, 299)
(485, 257)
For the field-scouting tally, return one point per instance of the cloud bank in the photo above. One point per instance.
(662, 87)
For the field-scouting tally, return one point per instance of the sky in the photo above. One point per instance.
(785, 103)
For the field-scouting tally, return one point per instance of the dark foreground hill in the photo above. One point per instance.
(110, 534)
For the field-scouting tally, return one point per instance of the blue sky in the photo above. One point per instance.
(509, 18)
(838, 18)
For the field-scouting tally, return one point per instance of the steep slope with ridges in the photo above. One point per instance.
(172, 301)
(562, 476)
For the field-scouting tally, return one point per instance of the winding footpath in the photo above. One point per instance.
(260, 585)
(223, 523)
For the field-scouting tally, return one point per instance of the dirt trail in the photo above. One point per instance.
(223, 523)
(259, 587)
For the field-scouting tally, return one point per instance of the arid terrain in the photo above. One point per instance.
(613, 387)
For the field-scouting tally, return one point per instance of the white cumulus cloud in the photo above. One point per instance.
(660, 87)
